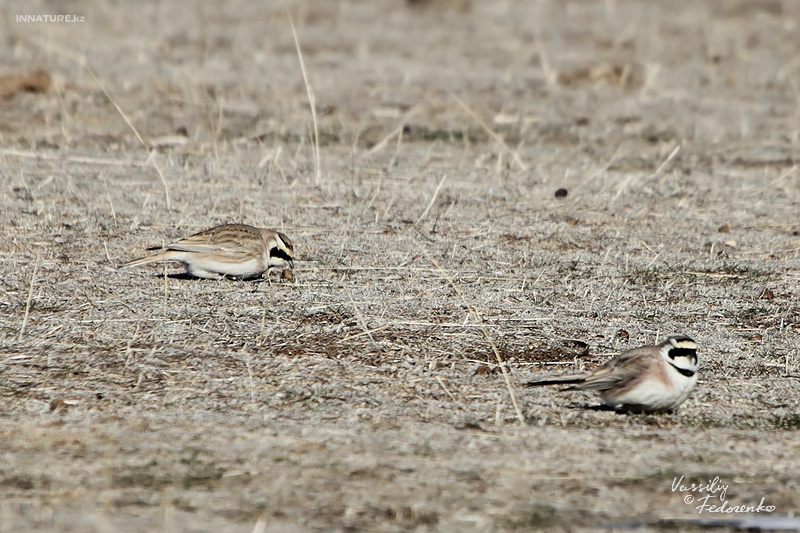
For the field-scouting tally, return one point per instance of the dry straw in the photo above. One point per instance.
(311, 102)
(28, 300)
(150, 154)
(474, 312)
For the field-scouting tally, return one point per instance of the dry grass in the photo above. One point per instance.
(438, 272)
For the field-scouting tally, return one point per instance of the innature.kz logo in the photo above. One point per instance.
(51, 18)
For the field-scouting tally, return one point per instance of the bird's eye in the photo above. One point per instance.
(682, 352)
(277, 252)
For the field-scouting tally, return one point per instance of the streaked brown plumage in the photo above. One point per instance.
(229, 250)
(649, 379)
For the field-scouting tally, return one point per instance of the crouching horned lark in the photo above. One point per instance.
(230, 250)
(648, 379)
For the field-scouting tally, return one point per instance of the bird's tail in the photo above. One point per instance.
(163, 256)
(558, 380)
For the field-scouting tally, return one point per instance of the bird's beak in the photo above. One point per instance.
(291, 264)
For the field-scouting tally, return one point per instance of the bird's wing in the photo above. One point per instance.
(213, 240)
(618, 372)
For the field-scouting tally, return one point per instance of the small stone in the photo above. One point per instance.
(483, 370)
(561, 193)
(62, 405)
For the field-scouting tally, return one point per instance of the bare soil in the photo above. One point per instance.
(366, 394)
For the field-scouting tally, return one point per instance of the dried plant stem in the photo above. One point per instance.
(150, 154)
(251, 382)
(311, 102)
(166, 287)
(29, 299)
(260, 340)
(479, 319)
(444, 387)
(397, 132)
(261, 525)
(361, 320)
(70, 158)
(666, 161)
(490, 132)
(433, 200)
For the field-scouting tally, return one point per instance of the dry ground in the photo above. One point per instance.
(365, 395)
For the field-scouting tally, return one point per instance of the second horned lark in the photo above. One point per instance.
(230, 250)
(648, 379)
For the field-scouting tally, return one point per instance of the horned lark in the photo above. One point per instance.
(230, 250)
(648, 379)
